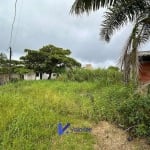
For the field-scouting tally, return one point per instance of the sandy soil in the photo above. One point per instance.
(109, 137)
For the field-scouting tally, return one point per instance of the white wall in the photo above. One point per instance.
(45, 76)
(30, 76)
(53, 75)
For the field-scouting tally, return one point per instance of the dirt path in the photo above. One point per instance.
(109, 137)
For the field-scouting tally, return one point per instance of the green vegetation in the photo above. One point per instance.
(103, 76)
(3, 63)
(117, 15)
(49, 59)
(31, 110)
(17, 67)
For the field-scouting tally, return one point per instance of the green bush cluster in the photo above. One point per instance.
(106, 76)
(119, 104)
(135, 115)
(113, 101)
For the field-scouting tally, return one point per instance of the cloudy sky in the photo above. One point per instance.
(43, 22)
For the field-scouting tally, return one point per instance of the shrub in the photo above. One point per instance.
(135, 115)
(104, 76)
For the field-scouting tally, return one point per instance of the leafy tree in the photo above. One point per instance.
(49, 59)
(3, 58)
(21, 70)
(118, 14)
(3, 63)
(17, 67)
(33, 60)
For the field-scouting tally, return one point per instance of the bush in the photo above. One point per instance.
(13, 80)
(105, 76)
(135, 115)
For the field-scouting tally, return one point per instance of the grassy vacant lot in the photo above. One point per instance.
(31, 110)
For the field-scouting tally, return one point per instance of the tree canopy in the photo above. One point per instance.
(49, 59)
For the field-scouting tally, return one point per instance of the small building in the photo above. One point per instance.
(88, 66)
(30, 76)
(144, 72)
(53, 76)
(38, 76)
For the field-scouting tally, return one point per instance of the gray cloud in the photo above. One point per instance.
(45, 22)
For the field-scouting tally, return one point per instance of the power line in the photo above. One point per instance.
(19, 12)
(10, 41)
(12, 27)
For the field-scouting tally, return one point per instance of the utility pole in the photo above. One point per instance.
(10, 54)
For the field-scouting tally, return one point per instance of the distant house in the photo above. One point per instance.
(4, 78)
(54, 76)
(144, 73)
(38, 76)
(35, 76)
(88, 66)
(30, 76)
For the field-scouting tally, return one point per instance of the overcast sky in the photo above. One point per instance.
(43, 22)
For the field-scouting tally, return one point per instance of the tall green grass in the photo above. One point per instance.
(114, 101)
(31, 110)
(104, 76)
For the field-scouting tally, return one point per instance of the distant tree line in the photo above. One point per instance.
(47, 59)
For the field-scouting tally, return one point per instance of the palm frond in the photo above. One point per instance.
(120, 14)
(144, 36)
(81, 6)
(114, 19)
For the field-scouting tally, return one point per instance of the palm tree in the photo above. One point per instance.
(139, 35)
(118, 14)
